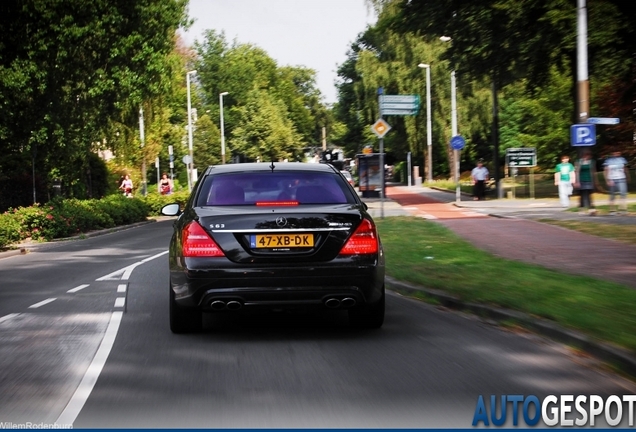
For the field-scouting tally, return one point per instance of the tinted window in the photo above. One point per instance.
(303, 187)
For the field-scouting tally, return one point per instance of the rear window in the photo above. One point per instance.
(277, 188)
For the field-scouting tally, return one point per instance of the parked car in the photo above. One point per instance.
(349, 177)
(274, 236)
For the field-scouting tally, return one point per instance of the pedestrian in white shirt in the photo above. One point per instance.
(479, 175)
(616, 177)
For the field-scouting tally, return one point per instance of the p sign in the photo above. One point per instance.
(583, 135)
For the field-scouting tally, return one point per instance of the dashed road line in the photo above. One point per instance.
(78, 288)
(8, 317)
(79, 398)
(42, 303)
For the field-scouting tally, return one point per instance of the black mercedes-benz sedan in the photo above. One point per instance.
(278, 236)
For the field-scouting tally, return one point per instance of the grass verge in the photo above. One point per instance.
(427, 254)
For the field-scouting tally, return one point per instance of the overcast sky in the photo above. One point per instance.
(312, 33)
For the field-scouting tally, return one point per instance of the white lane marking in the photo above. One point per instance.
(42, 303)
(121, 288)
(79, 398)
(8, 317)
(130, 268)
(116, 275)
(126, 271)
(76, 289)
(120, 302)
(85, 388)
(129, 271)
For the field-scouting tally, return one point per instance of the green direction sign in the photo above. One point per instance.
(522, 157)
(400, 104)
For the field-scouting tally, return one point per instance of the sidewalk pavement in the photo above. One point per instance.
(512, 233)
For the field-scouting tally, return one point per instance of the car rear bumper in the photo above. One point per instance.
(282, 287)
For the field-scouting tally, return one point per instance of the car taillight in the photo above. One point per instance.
(363, 241)
(197, 243)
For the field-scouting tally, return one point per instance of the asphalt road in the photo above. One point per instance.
(90, 359)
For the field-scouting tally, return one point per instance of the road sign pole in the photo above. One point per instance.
(531, 183)
(458, 196)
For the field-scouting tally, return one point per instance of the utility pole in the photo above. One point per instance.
(143, 152)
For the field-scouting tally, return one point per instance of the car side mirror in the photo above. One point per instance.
(173, 209)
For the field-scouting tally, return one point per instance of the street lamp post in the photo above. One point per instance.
(189, 130)
(454, 126)
(142, 139)
(429, 132)
(222, 127)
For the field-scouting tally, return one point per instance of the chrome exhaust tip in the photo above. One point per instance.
(217, 305)
(234, 305)
(332, 303)
(347, 302)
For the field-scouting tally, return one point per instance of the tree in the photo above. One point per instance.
(290, 104)
(68, 69)
(264, 131)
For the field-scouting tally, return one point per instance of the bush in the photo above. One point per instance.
(156, 201)
(10, 229)
(61, 218)
(82, 216)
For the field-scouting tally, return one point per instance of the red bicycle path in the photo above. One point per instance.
(527, 240)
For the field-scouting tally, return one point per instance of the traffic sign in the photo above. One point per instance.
(400, 98)
(187, 159)
(380, 128)
(521, 157)
(582, 135)
(604, 120)
(400, 104)
(406, 111)
(457, 142)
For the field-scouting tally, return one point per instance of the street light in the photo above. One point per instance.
(222, 127)
(454, 125)
(429, 132)
(189, 130)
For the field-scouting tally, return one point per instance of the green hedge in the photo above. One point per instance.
(62, 218)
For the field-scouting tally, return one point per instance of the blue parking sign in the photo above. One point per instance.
(583, 135)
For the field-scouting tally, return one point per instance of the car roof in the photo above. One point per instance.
(267, 166)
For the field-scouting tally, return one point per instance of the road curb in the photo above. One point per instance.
(617, 357)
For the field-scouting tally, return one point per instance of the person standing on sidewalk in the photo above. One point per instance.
(586, 180)
(564, 178)
(479, 175)
(616, 176)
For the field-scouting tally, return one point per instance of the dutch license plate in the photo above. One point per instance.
(282, 240)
